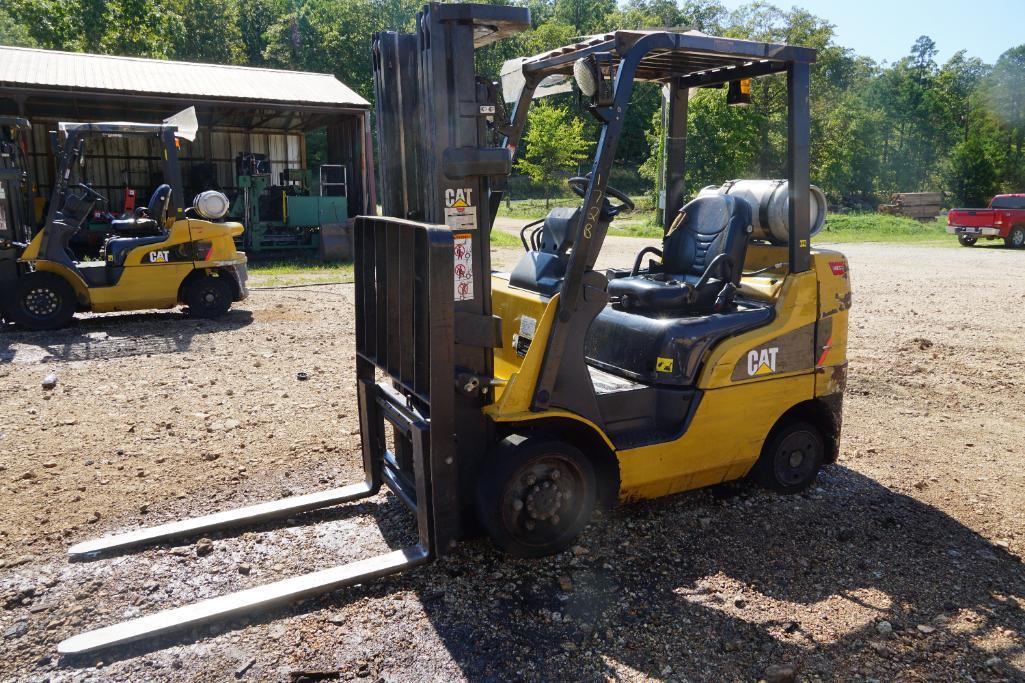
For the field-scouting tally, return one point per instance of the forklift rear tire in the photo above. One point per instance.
(42, 301)
(791, 458)
(208, 297)
(536, 496)
(966, 241)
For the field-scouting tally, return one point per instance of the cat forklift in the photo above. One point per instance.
(161, 256)
(515, 403)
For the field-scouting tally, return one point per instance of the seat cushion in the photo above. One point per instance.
(665, 350)
(652, 292)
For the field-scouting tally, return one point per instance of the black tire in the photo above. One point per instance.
(535, 497)
(1016, 238)
(791, 457)
(208, 296)
(42, 301)
(967, 241)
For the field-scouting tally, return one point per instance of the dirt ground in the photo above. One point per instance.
(903, 563)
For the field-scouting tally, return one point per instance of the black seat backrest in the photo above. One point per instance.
(158, 202)
(709, 226)
(556, 236)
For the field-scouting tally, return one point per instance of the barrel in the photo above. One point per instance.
(770, 206)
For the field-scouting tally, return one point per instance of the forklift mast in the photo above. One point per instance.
(439, 152)
(15, 207)
(15, 201)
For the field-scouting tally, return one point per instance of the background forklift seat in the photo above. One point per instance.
(148, 220)
(703, 253)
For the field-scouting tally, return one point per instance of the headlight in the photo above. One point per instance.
(211, 205)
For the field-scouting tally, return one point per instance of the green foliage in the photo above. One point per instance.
(973, 175)
(554, 144)
(14, 32)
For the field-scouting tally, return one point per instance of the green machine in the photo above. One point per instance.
(298, 214)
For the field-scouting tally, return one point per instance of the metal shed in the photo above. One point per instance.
(240, 110)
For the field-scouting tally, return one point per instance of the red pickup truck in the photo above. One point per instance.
(1005, 218)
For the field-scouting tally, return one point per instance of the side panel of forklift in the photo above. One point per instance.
(800, 357)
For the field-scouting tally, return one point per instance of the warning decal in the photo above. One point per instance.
(462, 266)
(460, 213)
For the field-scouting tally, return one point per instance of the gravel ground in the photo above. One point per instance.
(902, 564)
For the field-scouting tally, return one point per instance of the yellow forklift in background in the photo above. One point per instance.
(162, 256)
(518, 402)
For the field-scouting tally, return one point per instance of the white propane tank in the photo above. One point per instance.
(211, 205)
(770, 204)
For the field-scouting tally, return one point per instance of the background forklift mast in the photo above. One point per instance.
(15, 201)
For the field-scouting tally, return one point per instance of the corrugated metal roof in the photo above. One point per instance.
(26, 67)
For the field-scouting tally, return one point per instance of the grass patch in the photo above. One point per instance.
(284, 273)
(876, 227)
(535, 208)
(501, 238)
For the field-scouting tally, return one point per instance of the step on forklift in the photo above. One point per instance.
(164, 255)
(518, 402)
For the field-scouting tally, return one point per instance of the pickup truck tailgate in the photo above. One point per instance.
(971, 218)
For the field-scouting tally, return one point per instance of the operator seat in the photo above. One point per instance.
(148, 220)
(146, 228)
(702, 259)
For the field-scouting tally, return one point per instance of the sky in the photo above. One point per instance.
(886, 30)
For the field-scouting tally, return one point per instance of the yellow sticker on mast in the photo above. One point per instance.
(460, 212)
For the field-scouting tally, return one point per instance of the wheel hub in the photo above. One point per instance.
(543, 500)
(42, 302)
(796, 458)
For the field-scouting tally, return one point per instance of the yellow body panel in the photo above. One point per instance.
(152, 275)
(741, 399)
(722, 443)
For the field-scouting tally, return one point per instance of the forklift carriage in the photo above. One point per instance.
(519, 401)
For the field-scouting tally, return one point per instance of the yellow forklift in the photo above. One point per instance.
(164, 255)
(515, 403)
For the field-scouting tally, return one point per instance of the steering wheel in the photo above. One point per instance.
(579, 186)
(92, 194)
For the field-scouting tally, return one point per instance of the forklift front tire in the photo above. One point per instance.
(791, 457)
(208, 296)
(42, 301)
(536, 496)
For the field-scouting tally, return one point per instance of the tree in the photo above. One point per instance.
(210, 32)
(13, 32)
(1005, 96)
(554, 143)
(973, 178)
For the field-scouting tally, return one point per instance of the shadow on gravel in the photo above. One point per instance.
(701, 587)
(115, 336)
(847, 556)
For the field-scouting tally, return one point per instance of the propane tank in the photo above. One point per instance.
(211, 205)
(770, 206)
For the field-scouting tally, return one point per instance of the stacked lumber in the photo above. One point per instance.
(920, 205)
